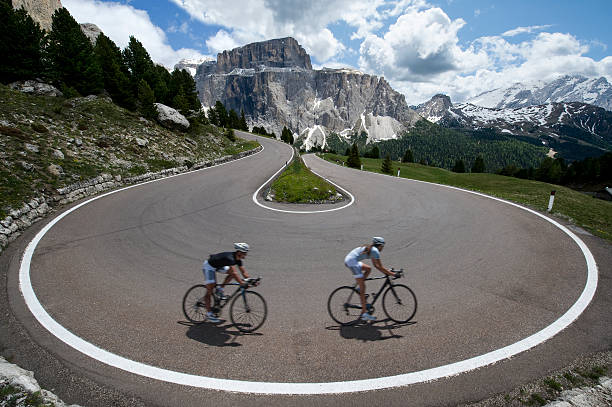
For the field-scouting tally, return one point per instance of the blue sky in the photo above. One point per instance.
(422, 47)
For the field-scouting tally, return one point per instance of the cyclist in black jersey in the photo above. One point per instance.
(223, 263)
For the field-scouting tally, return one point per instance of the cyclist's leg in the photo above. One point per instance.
(210, 281)
(229, 276)
(359, 269)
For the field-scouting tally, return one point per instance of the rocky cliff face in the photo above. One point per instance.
(279, 53)
(275, 85)
(40, 10)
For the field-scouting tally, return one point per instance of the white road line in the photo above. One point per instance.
(301, 212)
(241, 386)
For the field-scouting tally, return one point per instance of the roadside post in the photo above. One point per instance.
(551, 200)
(398, 171)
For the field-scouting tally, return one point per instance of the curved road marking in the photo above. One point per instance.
(304, 212)
(242, 386)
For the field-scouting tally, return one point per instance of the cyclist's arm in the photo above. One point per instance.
(243, 271)
(378, 264)
(233, 272)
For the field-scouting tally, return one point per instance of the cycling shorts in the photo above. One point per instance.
(210, 273)
(356, 268)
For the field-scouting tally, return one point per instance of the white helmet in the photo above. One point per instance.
(377, 240)
(241, 247)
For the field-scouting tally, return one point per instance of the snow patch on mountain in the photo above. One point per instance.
(569, 88)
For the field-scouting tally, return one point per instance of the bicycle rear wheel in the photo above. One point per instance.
(399, 303)
(248, 311)
(193, 304)
(344, 305)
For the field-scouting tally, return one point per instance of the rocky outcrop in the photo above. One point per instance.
(41, 11)
(279, 53)
(37, 88)
(171, 118)
(91, 31)
(274, 84)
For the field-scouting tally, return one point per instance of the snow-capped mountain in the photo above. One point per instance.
(191, 64)
(578, 129)
(569, 88)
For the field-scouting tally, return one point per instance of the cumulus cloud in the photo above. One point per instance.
(525, 30)
(420, 45)
(119, 22)
(420, 55)
(307, 21)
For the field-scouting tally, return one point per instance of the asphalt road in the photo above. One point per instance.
(113, 273)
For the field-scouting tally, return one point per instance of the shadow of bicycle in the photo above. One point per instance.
(220, 335)
(376, 331)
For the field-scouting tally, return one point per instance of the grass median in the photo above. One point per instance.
(297, 184)
(594, 215)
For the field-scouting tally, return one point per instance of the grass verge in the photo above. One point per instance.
(297, 184)
(592, 214)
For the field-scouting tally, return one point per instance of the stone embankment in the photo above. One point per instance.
(37, 208)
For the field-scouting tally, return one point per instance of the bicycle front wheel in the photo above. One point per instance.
(193, 304)
(344, 305)
(399, 303)
(248, 311)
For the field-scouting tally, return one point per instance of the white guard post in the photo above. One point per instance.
(552, 200)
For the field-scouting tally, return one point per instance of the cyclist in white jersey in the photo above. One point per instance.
(361, 271)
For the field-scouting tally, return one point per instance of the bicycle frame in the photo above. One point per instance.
(218, 303)
(380, 291)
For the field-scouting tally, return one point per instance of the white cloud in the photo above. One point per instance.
(418, 46)
(119, 22)
(307, 21)
(525, 30)
(420, 56)
(220, 42)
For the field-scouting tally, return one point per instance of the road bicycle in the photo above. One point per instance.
(398, 301)
(248, 309)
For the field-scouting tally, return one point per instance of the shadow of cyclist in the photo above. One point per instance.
(220, 335)
(370, 331)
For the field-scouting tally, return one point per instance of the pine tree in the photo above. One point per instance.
(138, 63)
(146, 98)
(180, 103)
(114, 78)
(213, 118)
(459, 166)
(233, 119)
(375, 153)
(21, 44)
(408, 157)
(387, 167)
(353, 159)
(287, 135)
(243, 123)
(70, 56)
(221, 112)
(479, 165)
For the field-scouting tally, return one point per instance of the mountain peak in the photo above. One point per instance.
(567, 88)
(276, 53)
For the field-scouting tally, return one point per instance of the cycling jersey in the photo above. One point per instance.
(353, 259)
(359, 253)
(218, 263)
(223, 259)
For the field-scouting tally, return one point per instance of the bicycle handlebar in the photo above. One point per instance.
(252, 281)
